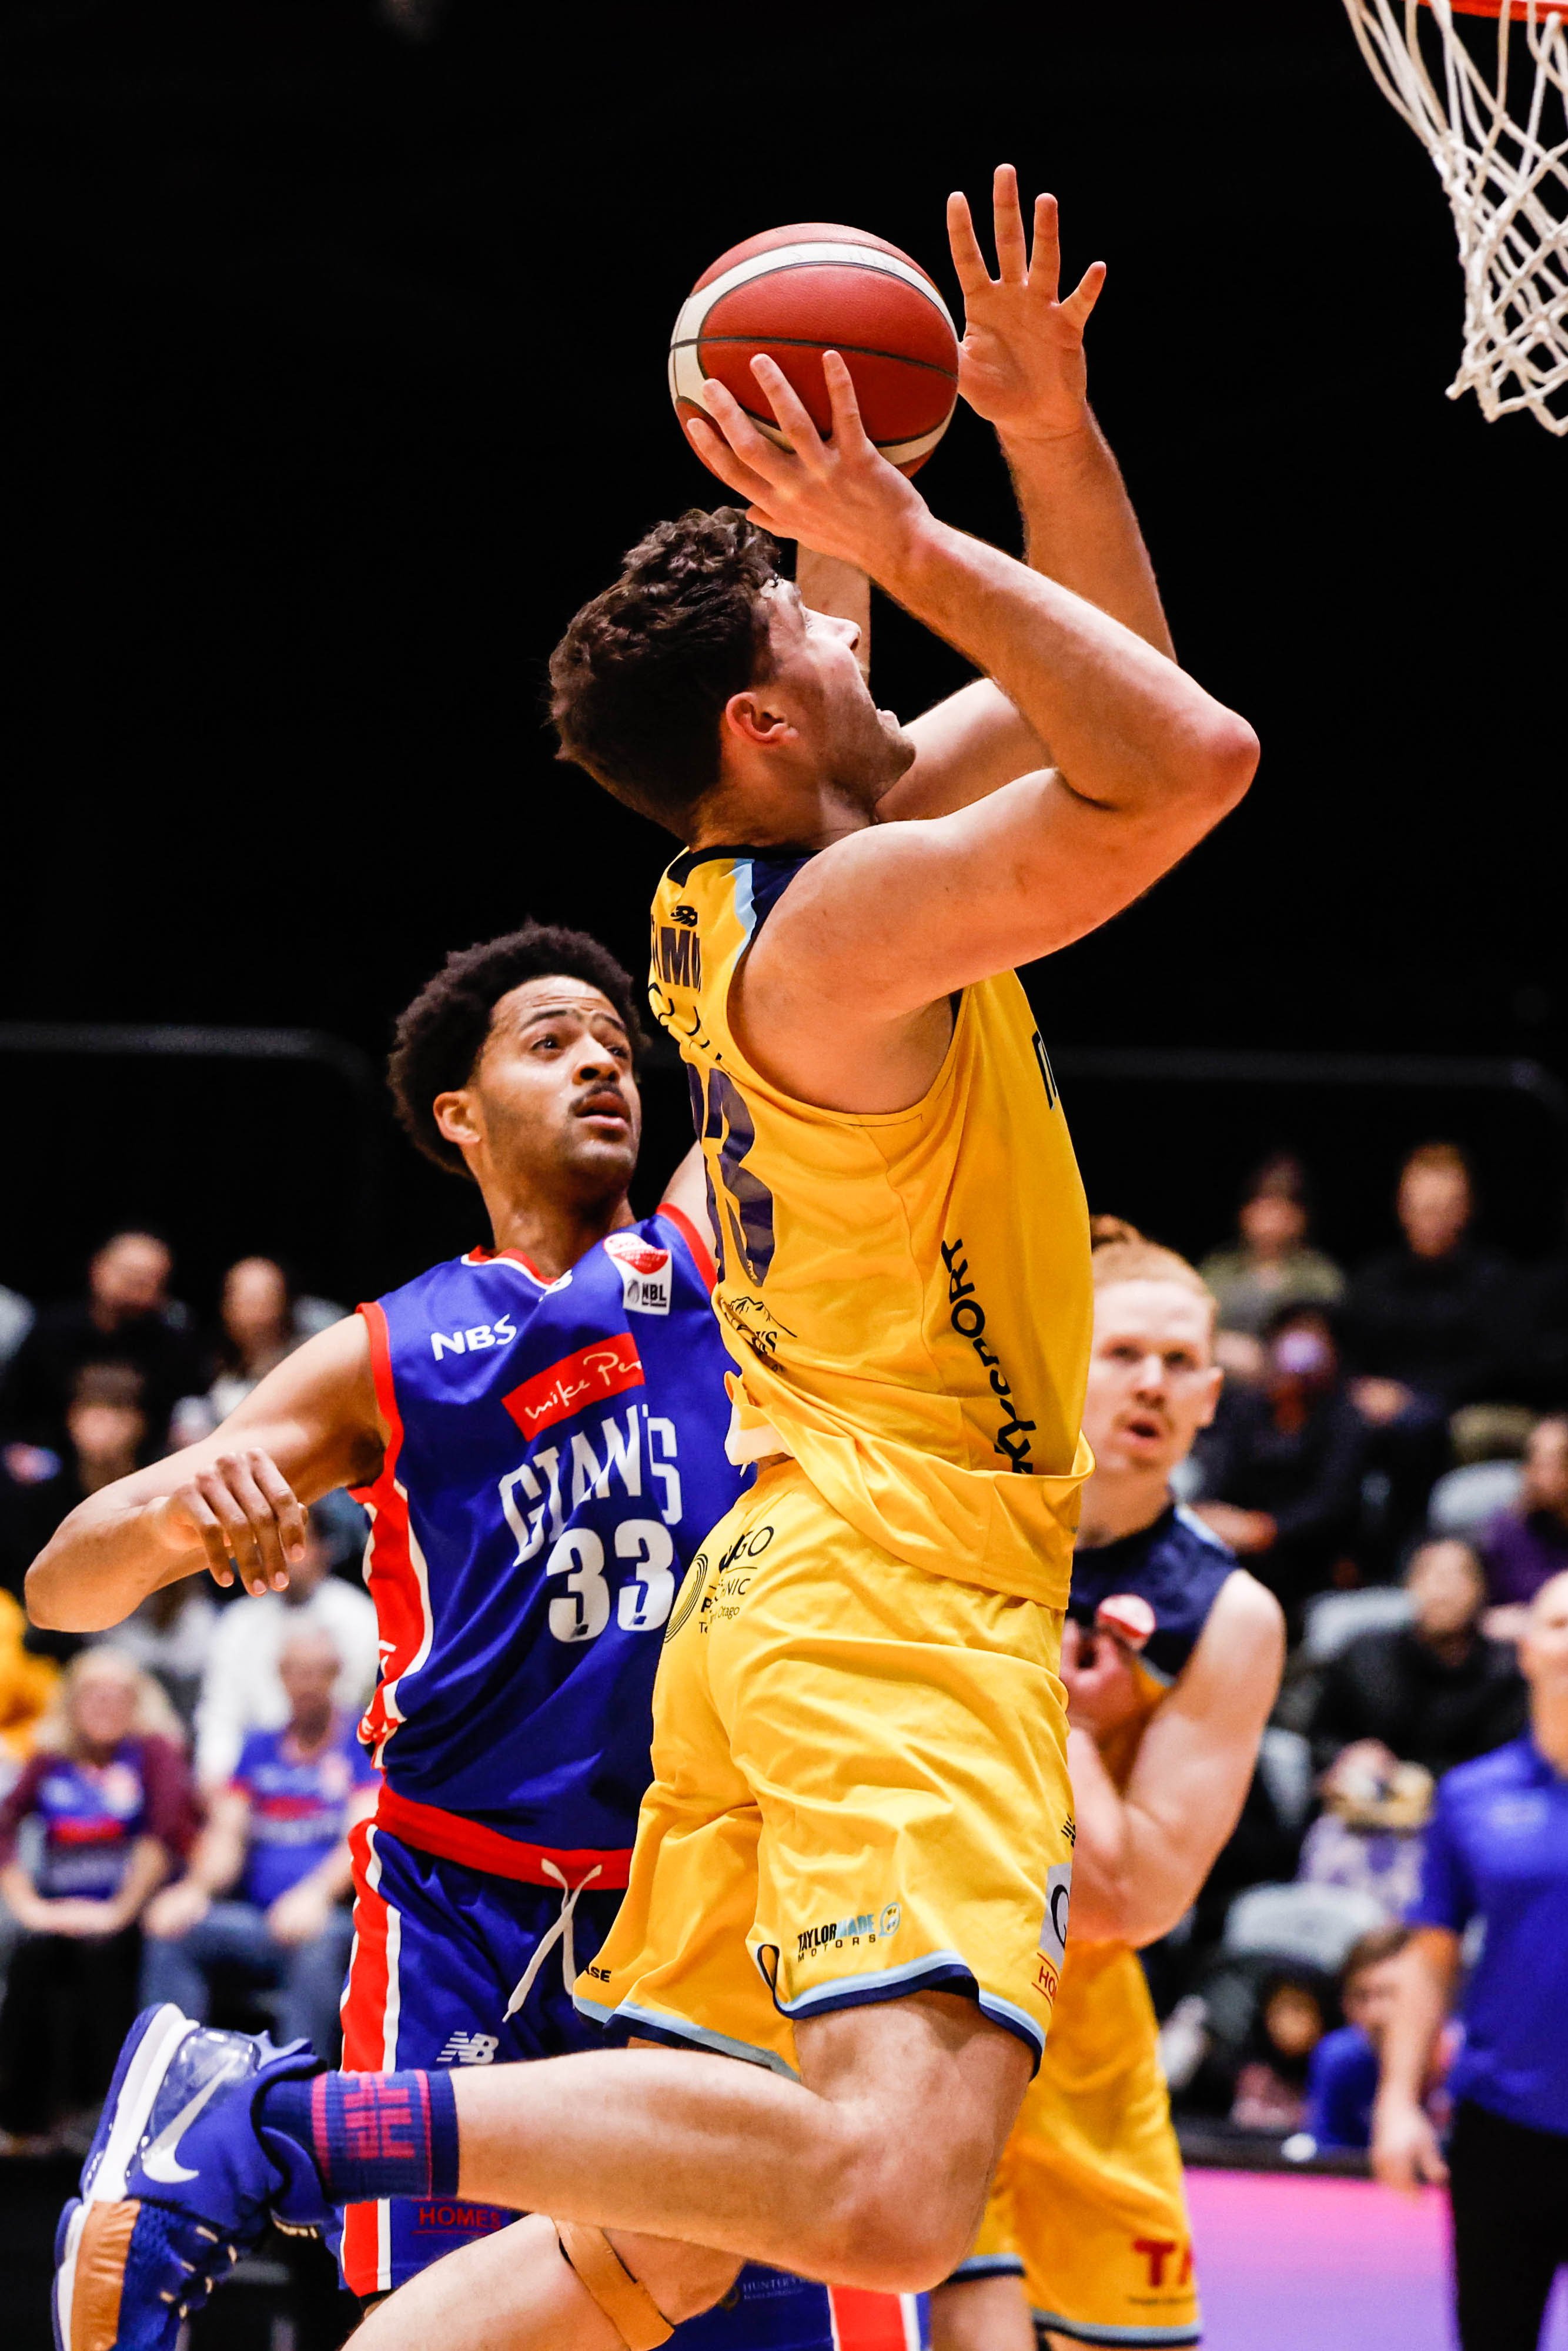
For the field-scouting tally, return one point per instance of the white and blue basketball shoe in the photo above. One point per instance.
(181, 2177)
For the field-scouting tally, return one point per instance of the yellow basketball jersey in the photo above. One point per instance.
(905, 1294)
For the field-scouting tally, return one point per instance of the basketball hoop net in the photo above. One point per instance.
(1506, 182)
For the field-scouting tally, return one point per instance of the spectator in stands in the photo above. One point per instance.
(277, 1843)
(241, 1692)
(1428, 1323)
(1281, 1465)
(26, 1689)
(1271, 1265)
(128, 1317)
(1497, 1857)
(1367, 1836)
(104, 1437)
(1342, 2074)
(1291, 2019)
(110, 1799)
(1437, 1691)
(15, 1321)
(1523, 1548)
(171, 1636)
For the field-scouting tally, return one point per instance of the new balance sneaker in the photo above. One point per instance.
(180, 2180)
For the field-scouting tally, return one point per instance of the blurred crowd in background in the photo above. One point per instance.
(1390, 1456)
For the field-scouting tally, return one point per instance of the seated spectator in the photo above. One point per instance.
(1523, 1548)
(105, 1436)
(109, 1797)
(1437, 1691)
(241, 1692)
(171, 1637)
(26, 1691)
(1292, 2017)
(261, 1321)
(15, 1321)
(128, 1317)
(1428, 1324)
(277, 1843)
(1368, 1834)
(1271, 1266)
(1282, 1465)
(1342, 2074)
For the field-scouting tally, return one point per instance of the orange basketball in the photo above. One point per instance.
(798, 292)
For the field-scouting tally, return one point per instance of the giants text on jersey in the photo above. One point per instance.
(557, 1456)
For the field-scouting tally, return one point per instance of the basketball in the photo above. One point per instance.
(797, 292)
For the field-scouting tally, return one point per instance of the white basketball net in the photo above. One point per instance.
(1506, 182)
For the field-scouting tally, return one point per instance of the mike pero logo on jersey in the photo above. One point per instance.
(606, 1369)
(644, 1273)
(1054, 1930)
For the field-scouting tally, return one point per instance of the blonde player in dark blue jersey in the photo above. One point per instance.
(1172, 1660)
(851, 1871)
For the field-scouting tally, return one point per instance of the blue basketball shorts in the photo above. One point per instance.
(439, 1951)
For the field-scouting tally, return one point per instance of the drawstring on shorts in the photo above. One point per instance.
(560, 1933)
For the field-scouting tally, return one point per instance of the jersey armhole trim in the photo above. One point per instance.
(375, 1321)
(702, 1256)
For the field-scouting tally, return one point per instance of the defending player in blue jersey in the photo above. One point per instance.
(538, 1431)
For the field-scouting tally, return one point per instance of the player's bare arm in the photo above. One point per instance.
(234, 1504)
(1142, 1855)
(1021, 366)
(844, 998)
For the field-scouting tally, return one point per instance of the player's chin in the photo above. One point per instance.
(606, 1145)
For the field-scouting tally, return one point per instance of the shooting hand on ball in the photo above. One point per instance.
(1020, 363)
(839, 496)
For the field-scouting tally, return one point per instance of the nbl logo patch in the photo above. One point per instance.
(644, 1273)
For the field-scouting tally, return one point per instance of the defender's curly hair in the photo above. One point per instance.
(639, 679)
(441, 1035)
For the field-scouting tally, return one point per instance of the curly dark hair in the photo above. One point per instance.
(639, 679)
(441, 1035)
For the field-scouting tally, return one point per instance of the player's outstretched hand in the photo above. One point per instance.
(244, 1514)
(839, 496)
(1020, 363)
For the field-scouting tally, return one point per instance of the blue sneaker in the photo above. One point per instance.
(180, 2180)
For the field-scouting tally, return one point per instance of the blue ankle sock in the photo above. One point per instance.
(372, 2135)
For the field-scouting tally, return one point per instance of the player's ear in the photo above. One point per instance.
(454, 1115)
(757, 720)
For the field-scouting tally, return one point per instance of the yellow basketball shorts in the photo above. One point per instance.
(860, 1791)
(1087, 2203)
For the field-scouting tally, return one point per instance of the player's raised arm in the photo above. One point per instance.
(234, 1503)
(1021, 366)
(892, 918)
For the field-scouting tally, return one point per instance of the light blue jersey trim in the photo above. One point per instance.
(745, 909)
(675, 2028)
(849, 1991)
(1125, 2338)
(1199, 1527)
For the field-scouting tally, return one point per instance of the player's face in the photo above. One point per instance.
(859, 748)
(1153, 1380)
(552, 1097)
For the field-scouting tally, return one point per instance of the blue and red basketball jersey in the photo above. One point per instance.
(299, 1806)
(557, 1455)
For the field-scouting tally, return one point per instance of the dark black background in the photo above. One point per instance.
(335, 382)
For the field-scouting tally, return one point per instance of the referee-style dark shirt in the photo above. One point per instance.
(1497, 1850)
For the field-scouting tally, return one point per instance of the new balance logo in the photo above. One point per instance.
(469, 2049)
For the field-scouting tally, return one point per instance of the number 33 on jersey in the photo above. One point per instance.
(557, 1456)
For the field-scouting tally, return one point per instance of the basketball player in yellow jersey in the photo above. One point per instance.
(1172, 1657)
(859, 1818)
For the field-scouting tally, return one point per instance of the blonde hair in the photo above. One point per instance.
(1122, 1254)
(153, 1717)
